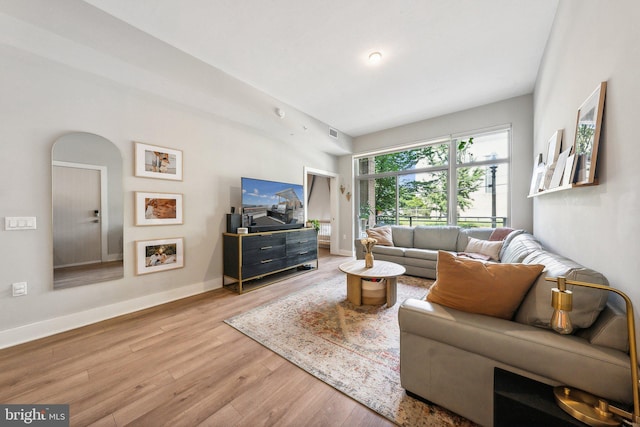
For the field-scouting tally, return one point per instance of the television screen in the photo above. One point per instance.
(271, 203)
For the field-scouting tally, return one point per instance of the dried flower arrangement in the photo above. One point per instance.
(368, 243)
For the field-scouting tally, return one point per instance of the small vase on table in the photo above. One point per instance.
(368, 244)
(368, 260)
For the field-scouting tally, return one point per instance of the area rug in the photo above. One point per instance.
(354, 349)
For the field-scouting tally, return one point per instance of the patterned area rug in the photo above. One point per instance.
(354, 349)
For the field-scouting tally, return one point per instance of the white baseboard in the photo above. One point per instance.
(344, 252)
(45, 328)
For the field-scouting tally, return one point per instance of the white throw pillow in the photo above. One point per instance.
(484, 247)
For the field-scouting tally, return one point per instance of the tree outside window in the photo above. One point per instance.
(411, 187)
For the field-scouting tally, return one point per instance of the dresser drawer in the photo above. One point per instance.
(258, 255)
(302, 237)
(262, 241)
(306, 246)
(265, 266)
(302, 256)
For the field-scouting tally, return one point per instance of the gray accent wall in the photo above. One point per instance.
(593, 41)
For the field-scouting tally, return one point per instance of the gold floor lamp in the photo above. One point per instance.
(583, 406)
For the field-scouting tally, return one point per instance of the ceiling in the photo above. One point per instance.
(439, 56)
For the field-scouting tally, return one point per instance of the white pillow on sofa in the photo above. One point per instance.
(484, 247)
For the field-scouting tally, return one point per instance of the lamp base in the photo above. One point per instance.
(585, 407)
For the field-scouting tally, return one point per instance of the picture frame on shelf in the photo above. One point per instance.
(587, 135)
(537, 176)
(158, 208)
(152, 161)
(569, 170)
(558, 172)
(549, 170)
(159, 255)
(553, 146)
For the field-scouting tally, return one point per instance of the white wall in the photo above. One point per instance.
(517, 112)
(594, 41)
(43, 99)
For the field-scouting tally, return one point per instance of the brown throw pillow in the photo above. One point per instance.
(472, 286)
(382, 235)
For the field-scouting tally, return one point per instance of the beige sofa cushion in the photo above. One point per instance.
(475, 287)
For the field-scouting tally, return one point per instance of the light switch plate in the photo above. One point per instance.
(19, 223)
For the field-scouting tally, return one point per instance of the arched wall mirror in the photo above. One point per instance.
(87, 200)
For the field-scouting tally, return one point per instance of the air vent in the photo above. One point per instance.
(333, 133)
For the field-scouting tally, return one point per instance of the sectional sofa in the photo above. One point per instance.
(416, 248)
(448, 356)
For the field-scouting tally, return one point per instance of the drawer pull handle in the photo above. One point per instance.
(303, 241)
(303, 253)
(266, 247)
(266, 261)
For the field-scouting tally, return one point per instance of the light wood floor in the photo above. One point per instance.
(179, 365)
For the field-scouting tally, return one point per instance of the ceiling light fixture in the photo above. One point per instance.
(375, 57)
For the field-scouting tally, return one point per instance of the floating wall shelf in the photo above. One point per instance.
(563, 188)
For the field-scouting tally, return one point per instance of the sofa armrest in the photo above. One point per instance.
(609, 330)
(565, 359)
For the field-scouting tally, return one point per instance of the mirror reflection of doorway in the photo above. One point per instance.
(76, 227)
(87, 210)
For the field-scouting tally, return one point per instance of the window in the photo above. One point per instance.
(414, 186)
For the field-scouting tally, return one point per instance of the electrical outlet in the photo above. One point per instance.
(19, 289)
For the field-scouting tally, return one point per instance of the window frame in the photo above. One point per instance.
(451, 168)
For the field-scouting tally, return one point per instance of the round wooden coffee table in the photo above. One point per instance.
(356, 271)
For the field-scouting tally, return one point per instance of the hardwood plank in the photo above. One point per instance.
(97, 408)
(267, 403)
(107, 421)
(225, 417)
(179, 364)
(188, 392)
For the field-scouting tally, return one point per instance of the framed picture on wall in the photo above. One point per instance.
(159, 255)
(587, 138)
(152, 161)
(158, 208)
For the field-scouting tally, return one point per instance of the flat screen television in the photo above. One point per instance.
(271, 205)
